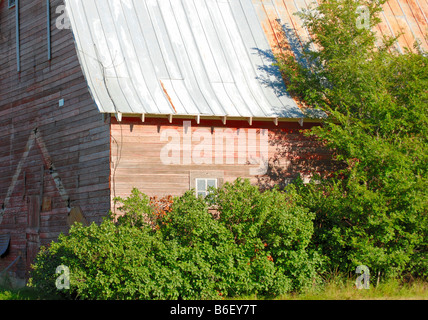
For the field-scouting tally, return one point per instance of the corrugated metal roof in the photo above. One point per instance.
(179, 57)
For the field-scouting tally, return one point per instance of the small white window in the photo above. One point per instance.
(203, 186)
(12, 3)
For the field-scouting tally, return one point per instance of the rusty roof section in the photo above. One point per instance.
(284, 28)
(409, 17)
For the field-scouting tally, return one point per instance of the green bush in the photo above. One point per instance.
(373, 211)
(358, 226)
(258, 245)
(270, 226)
(109, 261)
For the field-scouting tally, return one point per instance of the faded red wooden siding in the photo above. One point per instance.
(137, 155)
(74, 138)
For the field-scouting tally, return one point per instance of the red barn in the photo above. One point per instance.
(164, 96)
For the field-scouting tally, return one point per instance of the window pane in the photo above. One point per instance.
(201, 194)
(201, 185)
(212, 183)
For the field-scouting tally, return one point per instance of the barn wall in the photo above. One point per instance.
(52, 159)
(157, 158)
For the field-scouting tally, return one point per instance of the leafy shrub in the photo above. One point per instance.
(268, 226)
(374, 211)
(109, 261)
(170, 249)
(358, 226)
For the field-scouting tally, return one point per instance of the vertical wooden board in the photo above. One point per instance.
(33, 246)
(33, 229)
(33, 212)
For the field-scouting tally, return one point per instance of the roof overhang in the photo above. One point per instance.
(198, 118)
(181, 58)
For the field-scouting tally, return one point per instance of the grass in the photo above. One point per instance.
(336, 288)
(24, 294)
(340, 288)
(20, 294)
(345, 289)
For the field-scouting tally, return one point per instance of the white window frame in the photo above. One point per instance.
(11, 3)
(206, 175)
(205, 191)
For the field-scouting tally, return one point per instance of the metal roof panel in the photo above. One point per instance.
(408, 17)
(184, 57)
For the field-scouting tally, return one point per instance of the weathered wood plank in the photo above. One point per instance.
(74, 138)
(137, 159)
